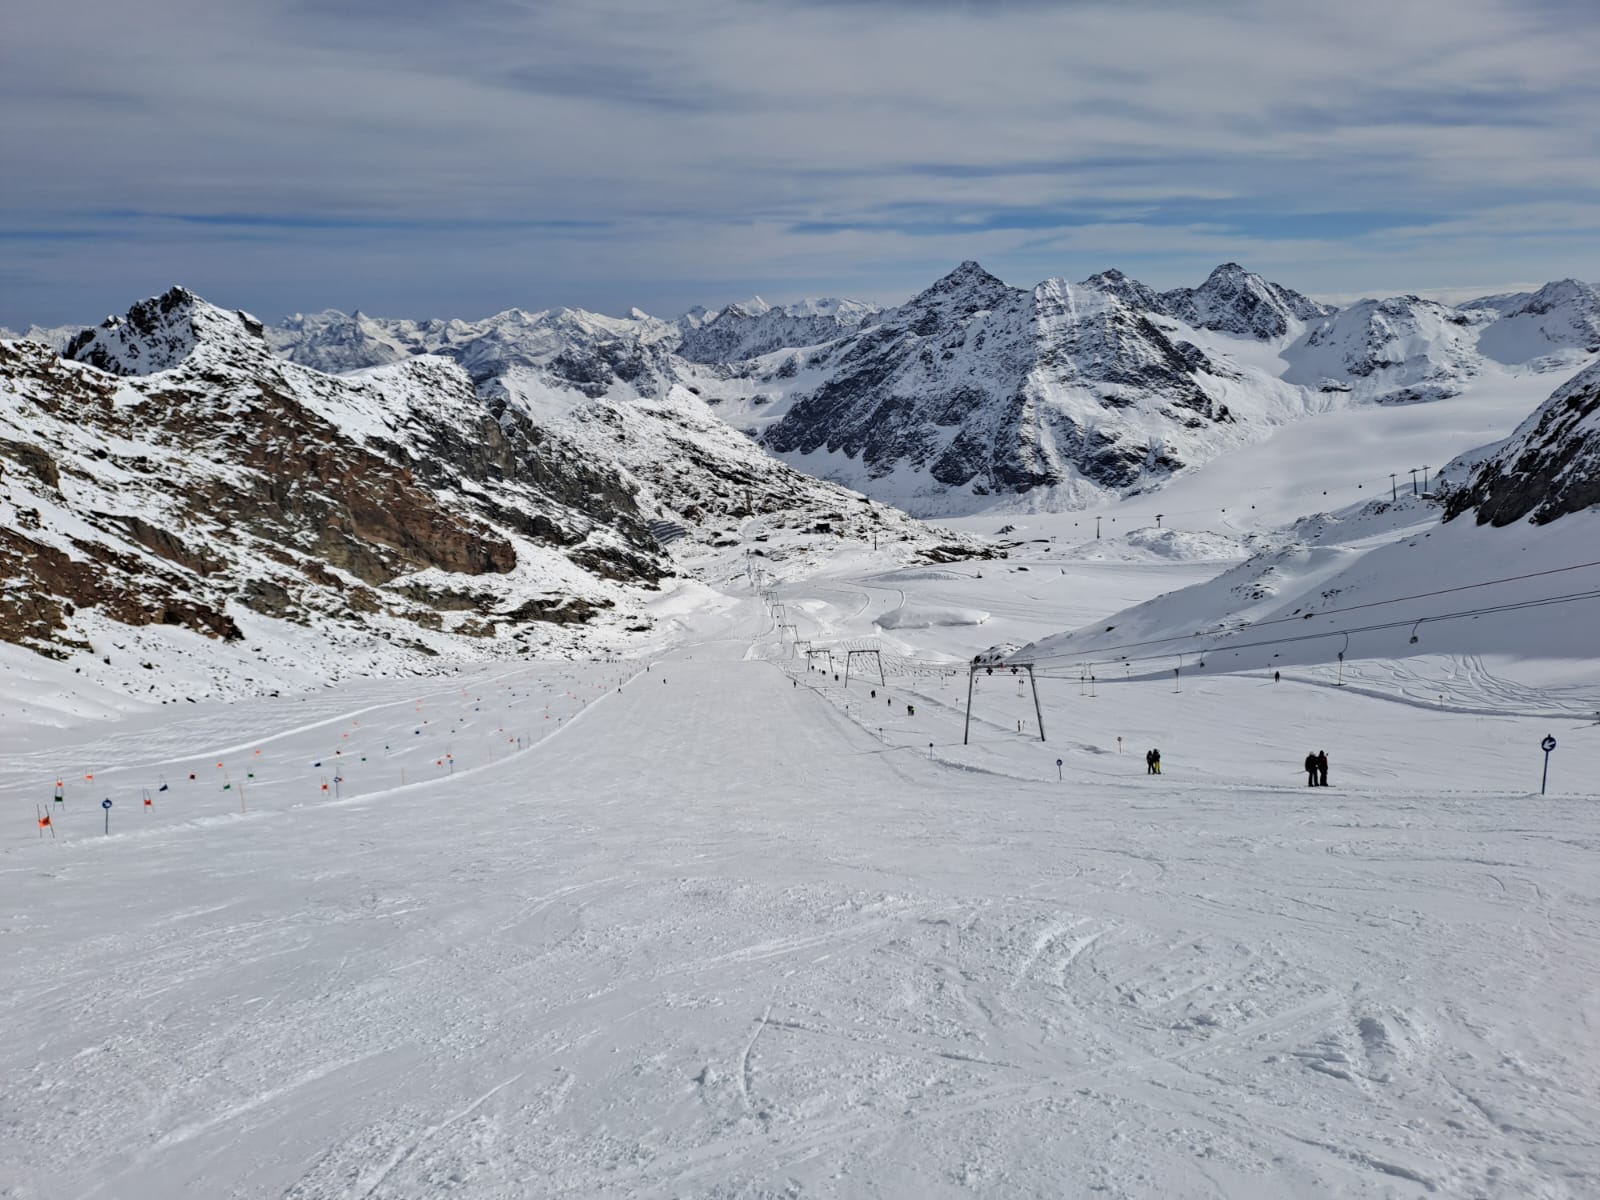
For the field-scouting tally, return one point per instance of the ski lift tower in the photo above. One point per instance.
(989, 664)
(812, 653)
(876, 656)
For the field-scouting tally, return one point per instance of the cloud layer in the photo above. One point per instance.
(426, 159)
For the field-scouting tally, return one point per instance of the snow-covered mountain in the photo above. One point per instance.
(978, 389)
(172, 470)
(749, 330)
(1395, 351)
(583, 351)
(617, 387)
(181, 474)
(1233, 300)
(1546, 328)
(976, 395)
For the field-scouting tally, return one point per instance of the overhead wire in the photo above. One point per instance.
(1322, 612)
(1090, 658)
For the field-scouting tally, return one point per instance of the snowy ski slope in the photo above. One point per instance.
(718, 924)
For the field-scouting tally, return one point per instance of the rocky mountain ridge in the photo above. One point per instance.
(1065, 394)
(1548, 468)
(173, 472)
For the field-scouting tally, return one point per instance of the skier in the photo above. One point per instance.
(1149, 762)
(911, 710)
(1274, 677)
(1322, 768)
(1311, 770)
(1155, 761)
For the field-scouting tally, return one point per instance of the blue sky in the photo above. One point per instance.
(421, 159)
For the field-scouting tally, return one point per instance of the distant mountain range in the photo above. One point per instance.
(517, 481)
(974, 394)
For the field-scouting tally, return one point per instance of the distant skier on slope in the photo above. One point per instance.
(1152, 760)
(1322, 768)
(1311, 770)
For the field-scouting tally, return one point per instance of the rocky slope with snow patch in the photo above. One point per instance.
(1547, 469)
(178, 474)
(183, 475)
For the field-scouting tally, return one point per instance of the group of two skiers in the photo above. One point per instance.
(1317, 769)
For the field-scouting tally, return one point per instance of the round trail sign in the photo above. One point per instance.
(1548, 744)
(1058, 762)
(106, 803)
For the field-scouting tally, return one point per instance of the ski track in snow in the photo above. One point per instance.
(733, 930)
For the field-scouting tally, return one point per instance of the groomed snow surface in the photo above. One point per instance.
(715, 924)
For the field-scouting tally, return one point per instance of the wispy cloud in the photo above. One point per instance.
(431, 159)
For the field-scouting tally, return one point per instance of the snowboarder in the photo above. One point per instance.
(1322, 768)
(1311, 770)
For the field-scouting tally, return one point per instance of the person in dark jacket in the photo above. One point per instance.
(1322, 768)
(1149, 762)
(1311, 770)
(1155, 762)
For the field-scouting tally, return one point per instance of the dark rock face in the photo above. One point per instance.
(1548, 468)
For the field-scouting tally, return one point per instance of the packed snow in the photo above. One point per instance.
(740, 919)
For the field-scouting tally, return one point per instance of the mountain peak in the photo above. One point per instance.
(1234, 300)
(967, 289)
(1130, 291)
(161, 332)
(970, 271)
